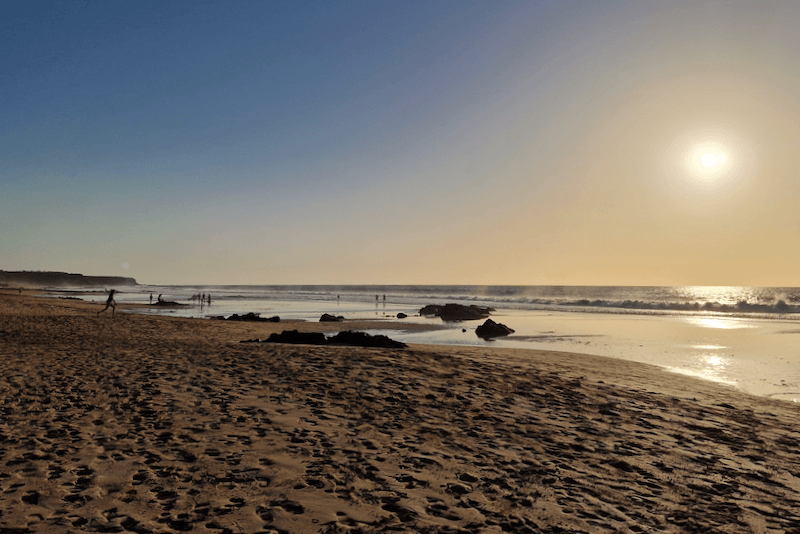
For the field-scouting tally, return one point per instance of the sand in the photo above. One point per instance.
(157, 424)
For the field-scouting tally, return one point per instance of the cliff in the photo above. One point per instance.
(57, 279)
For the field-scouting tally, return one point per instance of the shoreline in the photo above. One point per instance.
(754, 354)
(160, 424)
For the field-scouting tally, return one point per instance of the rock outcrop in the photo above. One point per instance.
(456, 312)
(348, 338)
(298, 338)
(167, 303)
(254, 317)
(362, 339)
(491, 329)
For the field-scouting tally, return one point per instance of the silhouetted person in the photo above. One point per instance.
(209, 299)
(151, 298)
(110, 303)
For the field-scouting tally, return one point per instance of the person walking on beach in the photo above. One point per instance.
(151, 298)
(110, 303)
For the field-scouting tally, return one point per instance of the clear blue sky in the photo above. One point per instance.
(402, 142)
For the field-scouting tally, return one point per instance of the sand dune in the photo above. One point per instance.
(153, 424)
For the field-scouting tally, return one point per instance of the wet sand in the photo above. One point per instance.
(158, 424)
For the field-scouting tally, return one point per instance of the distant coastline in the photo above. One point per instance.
(59, 279)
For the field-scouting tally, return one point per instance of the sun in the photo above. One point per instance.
(709, 159)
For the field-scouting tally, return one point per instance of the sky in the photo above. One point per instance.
(416, 142)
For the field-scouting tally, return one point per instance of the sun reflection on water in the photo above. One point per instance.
(708, 366)
(708, 347)
(703, 374)
(723, 323)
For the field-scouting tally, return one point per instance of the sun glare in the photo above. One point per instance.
(713, 162)
(709, 159)
(708, 162)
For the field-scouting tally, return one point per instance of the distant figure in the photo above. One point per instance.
(376, 298)
(151, 298)
(384, 297)
(209, 299)
(110, 303)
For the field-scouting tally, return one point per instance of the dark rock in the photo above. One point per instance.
(167, 303)
(401, 315)
(328, 318)
(348, 338)
(254, 317)
(298, 338)
(491, 329)
(361, 339)
(456, 312)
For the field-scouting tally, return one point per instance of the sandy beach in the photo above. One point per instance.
(157, 424)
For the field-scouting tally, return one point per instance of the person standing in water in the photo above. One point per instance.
(110, 303)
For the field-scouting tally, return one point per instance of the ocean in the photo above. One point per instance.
(743, 336)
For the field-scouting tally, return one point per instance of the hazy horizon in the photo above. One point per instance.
(517, 143)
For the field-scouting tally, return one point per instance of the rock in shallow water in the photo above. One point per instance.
(491, 329)
(456, 312)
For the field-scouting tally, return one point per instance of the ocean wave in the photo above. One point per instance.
(743, 301)
(780, 307)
